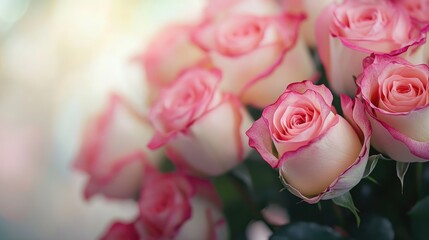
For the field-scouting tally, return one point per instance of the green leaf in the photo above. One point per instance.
(305, 231)
(346, 201)
(372, 162)
(401, 170)
(419, 219)
(375, 227)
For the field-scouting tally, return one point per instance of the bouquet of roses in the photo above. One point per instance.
(322, 90)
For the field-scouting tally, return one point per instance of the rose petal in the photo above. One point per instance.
(123, 181)
(311, 169)
(208, 218)
(418, 130)
(396, 145)
(260, 139)
(160, 68)
(121, 231)
(322, 90)
(115, 140)
(296, 66)
(323, 37)
(344, 66)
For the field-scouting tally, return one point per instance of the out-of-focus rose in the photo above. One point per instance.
(258, 230)
(121, 231)
(419, 11)
(167, 55)
(320, 155)
(114, 152)
(222, 8)
(173, 206)
(350, 31)
(202, 128)
(259, 53)
(312, 10)
(396, 97)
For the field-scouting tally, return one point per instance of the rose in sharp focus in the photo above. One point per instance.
(202, 128)
(255, 51)
(320, 155)
(350, 31)
(396, 97)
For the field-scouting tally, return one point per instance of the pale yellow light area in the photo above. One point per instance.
(59, 59)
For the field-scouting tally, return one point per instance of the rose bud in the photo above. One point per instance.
(173, 206)
(396, 97)
(350, 31)
(113, 152)
(167, 55)
(319, 154)
(255, 48)
(201, 127)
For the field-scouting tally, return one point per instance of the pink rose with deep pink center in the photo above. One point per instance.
(258, 52)
(349, 31)
(396, 96)
(320, 155)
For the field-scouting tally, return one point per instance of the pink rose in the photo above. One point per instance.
(258, 53)
(202, 128)
(173, 206)
(320, 155)
(396, 97)
(170, 207)
(113, 152)
(352, 30)
(167, 55)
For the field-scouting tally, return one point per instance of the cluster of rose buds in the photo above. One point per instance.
(366, 47)
(201, 77)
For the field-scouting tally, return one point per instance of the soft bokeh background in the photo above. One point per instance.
(58, 61)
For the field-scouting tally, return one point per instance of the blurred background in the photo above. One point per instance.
(59, 59)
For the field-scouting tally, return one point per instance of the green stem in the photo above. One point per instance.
(339, 213)
(247, 197)
(419, 172)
